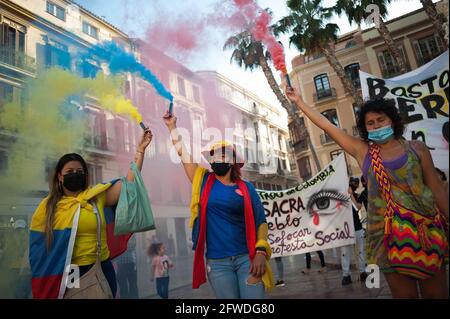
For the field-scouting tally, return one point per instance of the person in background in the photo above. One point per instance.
(160, 269)
(127, 272)
(280, 268)
(443, 178)
(362, 198)
(323, 267)
(347, 251)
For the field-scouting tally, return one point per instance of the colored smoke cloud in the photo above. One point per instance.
(120, 61)
(47, 125)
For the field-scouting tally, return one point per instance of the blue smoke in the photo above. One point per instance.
(121, 61)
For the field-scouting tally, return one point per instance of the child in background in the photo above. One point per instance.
(160, 269)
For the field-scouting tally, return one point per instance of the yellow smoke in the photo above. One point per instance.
(47, 125)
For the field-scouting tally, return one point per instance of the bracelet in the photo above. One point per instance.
(140, 152)
(261, 252)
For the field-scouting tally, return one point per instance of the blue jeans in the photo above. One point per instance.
(228, 278)
(162, 287)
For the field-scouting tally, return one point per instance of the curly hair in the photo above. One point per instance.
(154, 249)
(385, 106)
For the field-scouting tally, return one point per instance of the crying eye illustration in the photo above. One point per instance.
(326, 202)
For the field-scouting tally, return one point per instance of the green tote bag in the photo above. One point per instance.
(133, 212)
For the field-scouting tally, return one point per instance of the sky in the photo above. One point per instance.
(134, 17)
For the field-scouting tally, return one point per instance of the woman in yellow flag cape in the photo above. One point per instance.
(63, 229)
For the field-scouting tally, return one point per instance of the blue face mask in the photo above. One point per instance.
(381, 135)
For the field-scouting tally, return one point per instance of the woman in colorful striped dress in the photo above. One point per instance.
(414, 183)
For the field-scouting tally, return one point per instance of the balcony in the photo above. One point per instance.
(321, 95)
(99, 146)
(17, 59)
(251, 167)
(301, 146)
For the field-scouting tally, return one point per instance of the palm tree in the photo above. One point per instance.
(251, 54)
(356, 12)
(438, 19)
(310, 33)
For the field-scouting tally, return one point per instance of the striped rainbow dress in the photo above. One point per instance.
(408, 188)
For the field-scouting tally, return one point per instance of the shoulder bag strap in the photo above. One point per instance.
(384, 184)
(68, 261)
(99, 231)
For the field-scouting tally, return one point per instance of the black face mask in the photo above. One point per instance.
(74, 182)
(220, 169)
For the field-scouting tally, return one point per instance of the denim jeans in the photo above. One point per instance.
(162, 287)
(127, 280)
(347, 252)
(228, 278)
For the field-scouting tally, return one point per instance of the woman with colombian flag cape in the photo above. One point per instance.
(58, 240)
(227, 215)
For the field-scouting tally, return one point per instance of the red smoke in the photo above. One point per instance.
(261, 31)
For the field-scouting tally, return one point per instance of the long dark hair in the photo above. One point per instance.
(56, 193)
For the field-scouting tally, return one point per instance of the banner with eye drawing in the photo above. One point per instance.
(315, 215)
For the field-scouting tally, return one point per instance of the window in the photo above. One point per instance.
(12, 37)
(6, 93)
(389, 67)
(322, 84)
(128, 89)
(89, 29)
(57, 54)
(295, 129)
(181, 87)
(97, 126)
(350, 44)
(352, 71)
(356, 110)
(95, 174)
(304, 168)
(89, 69)
(196, 92)
(284, 164)
(331, 115)
(56, 10)
(428, 48)
(335, 154)
(256, 131)
(3, 162)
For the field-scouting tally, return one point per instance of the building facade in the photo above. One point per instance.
(363, 50)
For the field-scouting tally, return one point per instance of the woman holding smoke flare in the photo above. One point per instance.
(226, 215)
(407, 204)
(64, 226)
